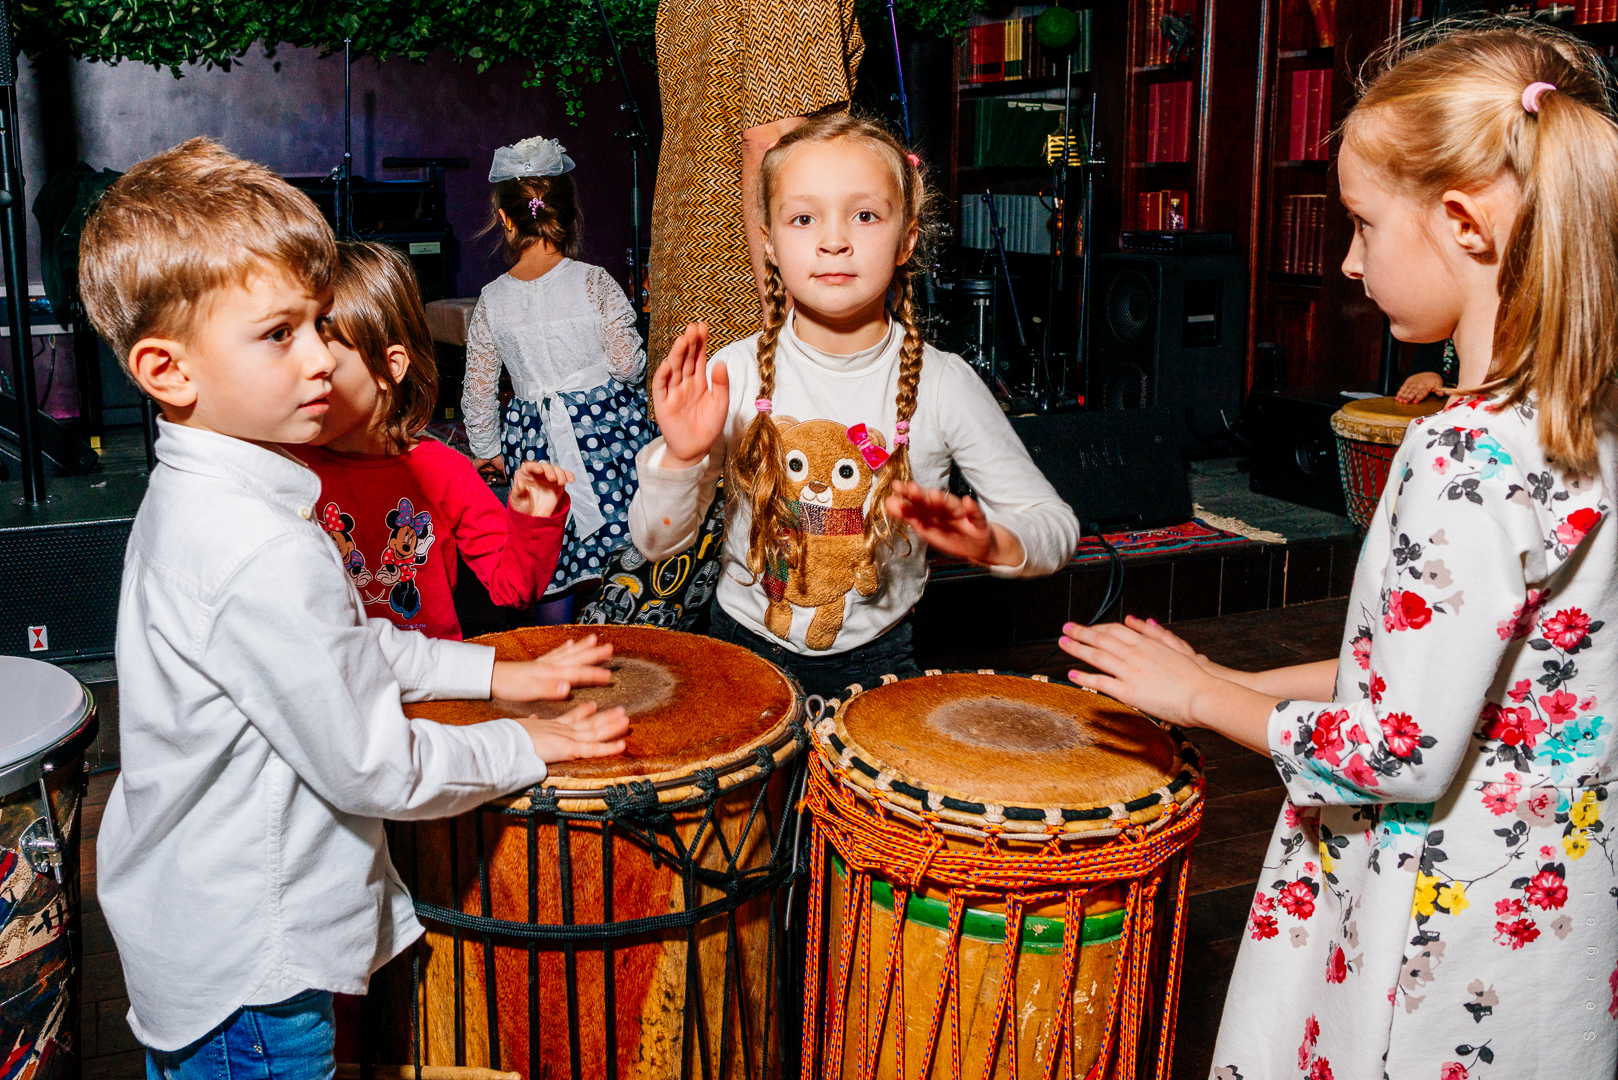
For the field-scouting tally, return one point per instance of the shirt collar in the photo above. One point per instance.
(274, 475)
(847, 364)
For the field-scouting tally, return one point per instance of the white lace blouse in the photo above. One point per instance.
(566, 330)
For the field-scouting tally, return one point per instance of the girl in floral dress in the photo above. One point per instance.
(565, 332)
(1440, 900)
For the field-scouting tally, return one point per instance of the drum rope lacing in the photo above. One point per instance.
(855, 822)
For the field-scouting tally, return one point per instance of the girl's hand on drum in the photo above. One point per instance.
(955, 526)
(546, 679)
(583, 651)
(1418, 386)
(585, 732)
(1157, 632)
(690, 409)
(538, 488)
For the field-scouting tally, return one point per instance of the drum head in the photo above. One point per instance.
(44, 705)
(1010, 740)
(691, 700)
(1382, 420)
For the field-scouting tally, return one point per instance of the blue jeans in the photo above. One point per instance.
(290, 1040)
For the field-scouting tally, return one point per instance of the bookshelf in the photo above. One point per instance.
(1310, 51)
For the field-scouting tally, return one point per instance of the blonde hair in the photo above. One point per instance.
(757, 468)
(1445, 111)
(182, 225)
(376, 304)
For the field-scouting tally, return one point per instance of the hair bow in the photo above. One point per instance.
(406, 515)
(536, 156)
(873, 454)
(331, 518)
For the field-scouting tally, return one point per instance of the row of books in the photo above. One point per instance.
(1168, 121)
(1303, 225)
(1158, 48)
(1022, 131)
(1325, 15)
(1310, 117)
(1008, 51)
(1163, 211)
(1025, 219)
(1594, 11)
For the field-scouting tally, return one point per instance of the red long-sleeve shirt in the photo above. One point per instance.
(401, 520)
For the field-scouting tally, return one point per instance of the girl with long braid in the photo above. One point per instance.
(835, 428)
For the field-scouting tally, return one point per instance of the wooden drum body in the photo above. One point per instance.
(622, 919)
(1369, 432)
(1003, 817)
(48, 720)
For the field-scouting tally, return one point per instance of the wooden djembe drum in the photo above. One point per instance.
(1369, 433)
(999, 871)
(622, 919)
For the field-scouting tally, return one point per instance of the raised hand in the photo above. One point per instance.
(492, 469)
(538, 488)
(955, 526)
(585, 732)
(690, 409)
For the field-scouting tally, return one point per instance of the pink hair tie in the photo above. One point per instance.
(914, 160)
(901, 427)
(1531, 95)
(763, 405)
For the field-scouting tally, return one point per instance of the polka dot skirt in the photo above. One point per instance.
(610, 424)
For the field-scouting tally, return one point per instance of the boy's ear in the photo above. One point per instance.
(156, 365)
(398, 363)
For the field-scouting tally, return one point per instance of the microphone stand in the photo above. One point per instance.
(343, 200)
(899, 68)
(14, 241)
(998, 233)
(638, 140)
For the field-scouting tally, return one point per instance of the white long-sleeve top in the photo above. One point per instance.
(956, 419)
(241, 857)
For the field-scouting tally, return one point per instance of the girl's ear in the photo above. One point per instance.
(398, 363)
(1470, 224)
(158, 367)
(505, 221)
(908, 247)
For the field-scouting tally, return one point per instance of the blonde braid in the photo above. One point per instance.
(880, 529)
(757, 472)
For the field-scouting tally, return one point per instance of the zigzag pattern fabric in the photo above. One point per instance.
(723, 68)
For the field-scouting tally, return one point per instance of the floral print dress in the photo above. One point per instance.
(1439, 900)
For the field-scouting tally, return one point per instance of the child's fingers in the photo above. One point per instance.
(580, 674)
(719, 380)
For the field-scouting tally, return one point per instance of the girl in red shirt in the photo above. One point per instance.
(404, 511)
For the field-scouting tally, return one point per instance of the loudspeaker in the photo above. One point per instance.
(1169, 330)
(61, 566)
(1121, 470)
(1294, 451)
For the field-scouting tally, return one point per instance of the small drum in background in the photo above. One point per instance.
(622, 919)
(1368, 435)
(47, 722)
(1031, 842)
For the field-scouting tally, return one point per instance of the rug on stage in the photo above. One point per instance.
(1194, 535)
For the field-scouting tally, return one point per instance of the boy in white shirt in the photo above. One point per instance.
(243, 867)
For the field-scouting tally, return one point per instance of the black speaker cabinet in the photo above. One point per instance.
(60, 568)
(1169, 330)
(1294, 452)
(1119, 470)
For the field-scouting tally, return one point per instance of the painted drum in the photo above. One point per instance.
(998, 882)
(45, 724)
(1368, 434)
(624, 918)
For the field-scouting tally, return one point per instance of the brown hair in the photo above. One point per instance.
(758, 471)
(375, 305)
(182, 225)
(556, 220)
(1444, 111)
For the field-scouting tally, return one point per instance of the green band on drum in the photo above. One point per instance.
(1040, 936)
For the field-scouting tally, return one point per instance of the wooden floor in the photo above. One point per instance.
(1243, 800)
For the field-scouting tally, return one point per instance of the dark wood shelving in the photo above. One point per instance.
(1013, 87)
(1321, 54)
(1307, 280)
(1187, 68)
(1307, 166)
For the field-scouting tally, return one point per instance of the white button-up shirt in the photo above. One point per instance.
(241, 857)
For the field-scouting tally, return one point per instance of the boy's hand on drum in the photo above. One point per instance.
(538, 488)
(955, 526)
(1418, 386)
(690, 408)
(585, 732)
(549, 678)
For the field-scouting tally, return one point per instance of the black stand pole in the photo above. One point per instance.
(1091, 161)
(14, 239)
(998, 234)
(637, 143)
(343, 208)
(899, 70)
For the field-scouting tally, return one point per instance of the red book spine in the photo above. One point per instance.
(1319, 233)
(1152, 210)
(1295, 249)
(1283, 247)
(996, 34)
(1154, 106)
(1315, 126)
(1298, 109)
(1182, 116)
(974, 46)
(1581, 11)
(1154, 33)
